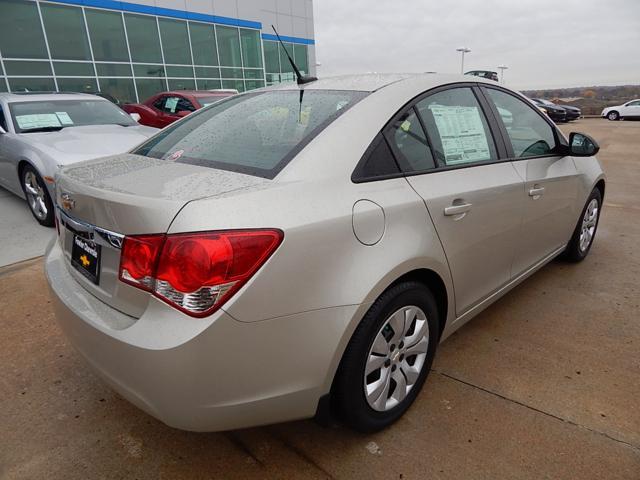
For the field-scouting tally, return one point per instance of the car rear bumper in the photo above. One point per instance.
(203, 374)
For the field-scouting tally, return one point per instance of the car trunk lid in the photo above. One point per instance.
(101, 201)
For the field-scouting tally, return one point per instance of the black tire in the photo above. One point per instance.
(349, 400)
(574, 252)
(44, 219)
(613, 116)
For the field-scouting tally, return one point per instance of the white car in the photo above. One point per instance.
(630, 109)
(40, 132)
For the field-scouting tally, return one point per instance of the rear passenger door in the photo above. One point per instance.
(474, 199)
(551, 180)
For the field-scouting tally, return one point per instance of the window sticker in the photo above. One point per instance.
(171, 104)
(37, 120)
(64, 118)
(462, 134)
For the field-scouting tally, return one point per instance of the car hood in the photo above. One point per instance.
(569, 107)
(74, 144)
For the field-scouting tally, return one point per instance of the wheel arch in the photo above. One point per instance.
(600, 185)
(431, 279)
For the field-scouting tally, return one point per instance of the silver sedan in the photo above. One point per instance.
(302, 250)
(41, 132)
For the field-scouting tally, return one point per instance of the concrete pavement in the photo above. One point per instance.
(21, 236)
(543, 384)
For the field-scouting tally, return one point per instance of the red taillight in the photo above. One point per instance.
(196, 272)
(139, 259)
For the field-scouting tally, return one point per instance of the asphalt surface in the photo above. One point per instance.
(543, 384)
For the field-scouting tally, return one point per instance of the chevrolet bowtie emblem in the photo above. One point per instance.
(67, 201)
(85, 261)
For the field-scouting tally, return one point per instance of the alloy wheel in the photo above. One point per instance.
(36, 196)
(396, 358)
(589, 221)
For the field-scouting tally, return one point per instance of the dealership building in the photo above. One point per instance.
(137, 48)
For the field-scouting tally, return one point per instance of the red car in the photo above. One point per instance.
(167, 107)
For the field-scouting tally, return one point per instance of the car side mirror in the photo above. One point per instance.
(183, 113)
(136, 116)
(582, 145)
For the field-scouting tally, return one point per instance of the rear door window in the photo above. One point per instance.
(457, 127)
(409, 143)
(255, 133)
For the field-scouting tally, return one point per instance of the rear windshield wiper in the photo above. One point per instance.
(42, 129)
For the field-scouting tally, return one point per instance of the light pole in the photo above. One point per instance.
(502, 68)
(463, 50)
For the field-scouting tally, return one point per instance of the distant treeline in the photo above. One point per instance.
(590, 99)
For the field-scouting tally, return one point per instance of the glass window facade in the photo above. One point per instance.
(66, 33)
(277, 66)
(175, 41)
(144, 42)
(203, 43)
(106, 30)
(48, 46)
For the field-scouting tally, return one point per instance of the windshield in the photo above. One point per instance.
(206, 101)
(254, 133)
(52, 115)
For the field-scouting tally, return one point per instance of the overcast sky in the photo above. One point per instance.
(545, 43)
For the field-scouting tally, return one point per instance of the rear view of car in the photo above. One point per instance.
(296, 249)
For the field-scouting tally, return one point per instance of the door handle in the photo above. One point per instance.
(457, 209)
(536, 191)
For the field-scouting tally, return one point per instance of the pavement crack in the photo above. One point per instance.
(301, 454)
(548, 414)
(237, 441)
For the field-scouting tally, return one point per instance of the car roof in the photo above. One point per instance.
(371, 82)
(48, 96)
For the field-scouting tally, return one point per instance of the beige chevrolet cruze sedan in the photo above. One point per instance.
(302, 250)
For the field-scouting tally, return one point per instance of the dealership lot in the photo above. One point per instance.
(543, 384)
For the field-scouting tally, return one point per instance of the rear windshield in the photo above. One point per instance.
(255, 133)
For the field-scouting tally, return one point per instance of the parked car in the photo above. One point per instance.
(491, 75)
(570, 113)
(295, 251)
(628, 110)
(41, 132)
(555, 112)
(167, 107)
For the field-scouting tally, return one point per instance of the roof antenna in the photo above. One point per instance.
(301, 80)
